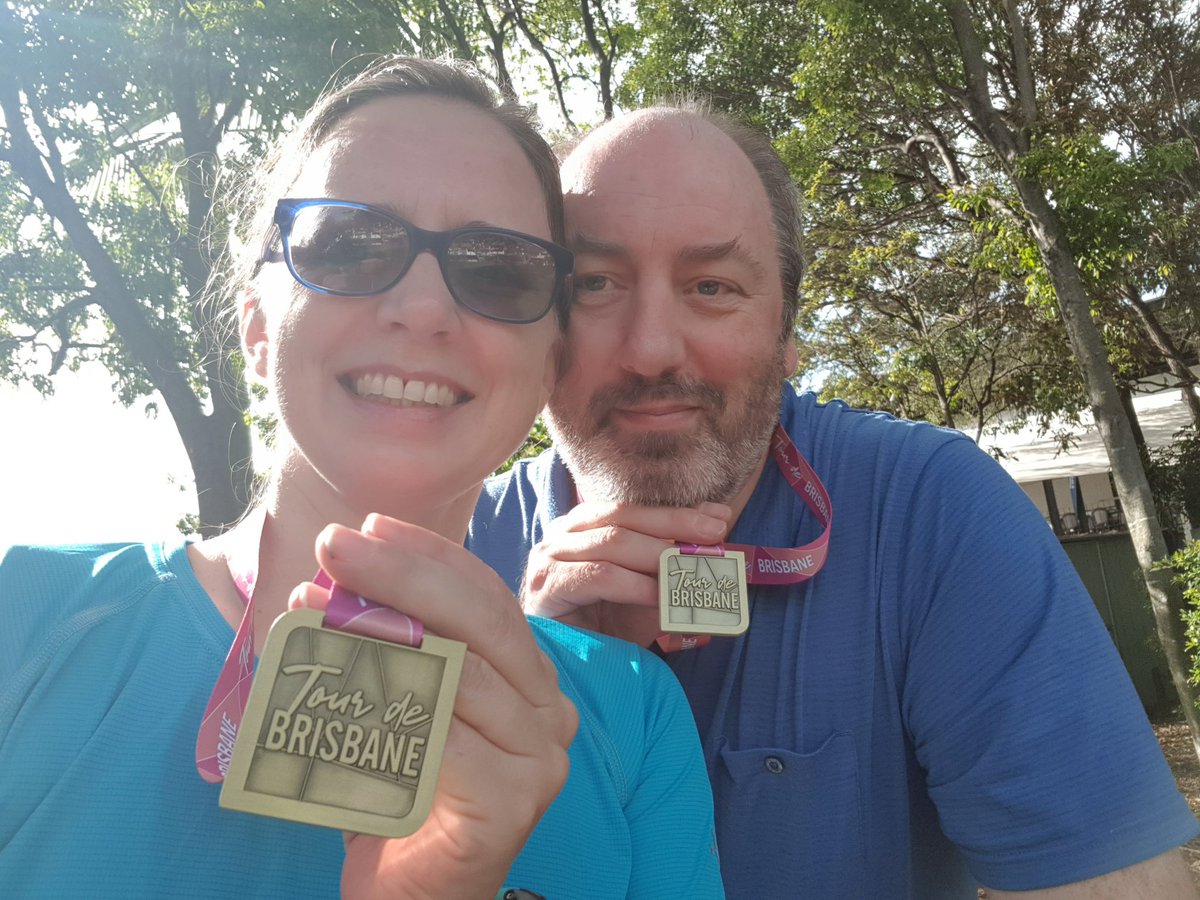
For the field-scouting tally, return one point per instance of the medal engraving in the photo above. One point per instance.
(701, 594)
(342, 730)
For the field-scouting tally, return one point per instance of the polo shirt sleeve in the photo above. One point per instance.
(1039, 757)
(505, 524)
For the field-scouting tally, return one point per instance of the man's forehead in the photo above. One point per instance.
(651, 151)
(663, 178)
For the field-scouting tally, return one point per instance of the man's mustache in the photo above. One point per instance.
(635, 390)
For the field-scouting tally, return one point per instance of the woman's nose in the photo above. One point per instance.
(420, 301)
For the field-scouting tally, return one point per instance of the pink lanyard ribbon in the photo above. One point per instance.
(785, 565)
(227, 704)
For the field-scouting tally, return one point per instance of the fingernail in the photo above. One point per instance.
(296, 600)
(380, 525)
(710, 527)
(716, 510)
(343, 543)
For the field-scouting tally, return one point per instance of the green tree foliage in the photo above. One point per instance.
(1185, 565)
(118, 118)
(537, 441)
(1175, 476)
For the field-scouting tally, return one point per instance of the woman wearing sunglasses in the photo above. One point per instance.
(401, 300)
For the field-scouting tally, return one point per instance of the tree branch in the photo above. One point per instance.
(1026, 93)
(978, 98)
(496, 51)
(605, 59)
(462, 46)
(53, 157)
(539, 45)
(232, 110)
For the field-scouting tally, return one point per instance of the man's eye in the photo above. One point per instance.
(709, 288)
(592, 282)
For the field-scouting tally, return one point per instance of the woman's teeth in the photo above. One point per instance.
(399, 392)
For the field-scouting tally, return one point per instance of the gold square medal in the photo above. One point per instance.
(342, 730)
(701, 594)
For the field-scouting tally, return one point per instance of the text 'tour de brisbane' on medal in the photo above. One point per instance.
(703, 591)
(343, 730)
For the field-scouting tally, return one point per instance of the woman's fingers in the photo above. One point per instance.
(509, 687)
(489, 704)
(454, 594)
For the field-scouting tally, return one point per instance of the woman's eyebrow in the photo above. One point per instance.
(394, 210)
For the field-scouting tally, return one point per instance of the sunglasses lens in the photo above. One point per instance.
(345, 250)
(501, 276)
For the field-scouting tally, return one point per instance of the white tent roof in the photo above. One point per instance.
(1030, 457)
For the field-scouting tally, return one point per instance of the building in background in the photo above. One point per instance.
(1074, 491)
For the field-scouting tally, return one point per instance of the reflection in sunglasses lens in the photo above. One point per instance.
(347, 250)
(500, 275)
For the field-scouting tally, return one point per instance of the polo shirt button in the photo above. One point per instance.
(774, 765)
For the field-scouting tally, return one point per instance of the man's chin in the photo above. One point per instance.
(651, 473)
(650, 446)
(656, 468)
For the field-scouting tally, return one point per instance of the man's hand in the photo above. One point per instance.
(597, 567)
(506, 751)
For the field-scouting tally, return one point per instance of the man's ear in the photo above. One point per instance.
(253, 326)
(791, 357)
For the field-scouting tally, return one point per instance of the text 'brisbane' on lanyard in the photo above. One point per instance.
(227, 705)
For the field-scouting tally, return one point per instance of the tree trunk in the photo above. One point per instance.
(1129, 473)
(1010, 141)
(220, 457)
(217, 443)
(1139, 438)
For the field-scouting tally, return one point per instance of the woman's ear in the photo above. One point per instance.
(253, 326)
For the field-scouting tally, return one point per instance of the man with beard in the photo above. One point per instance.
(933, 705)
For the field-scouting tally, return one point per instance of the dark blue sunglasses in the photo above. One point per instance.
(351, 249)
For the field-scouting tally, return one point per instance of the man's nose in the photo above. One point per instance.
(655, 340)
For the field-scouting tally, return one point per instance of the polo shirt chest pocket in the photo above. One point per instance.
(789, 824)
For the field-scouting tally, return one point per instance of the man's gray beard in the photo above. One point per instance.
(711, 462)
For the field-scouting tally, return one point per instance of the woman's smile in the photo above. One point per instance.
(397, 391)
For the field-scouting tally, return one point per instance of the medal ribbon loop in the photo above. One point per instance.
(227, 704)
(784, 565)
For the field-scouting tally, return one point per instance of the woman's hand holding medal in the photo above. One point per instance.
(506, 752)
